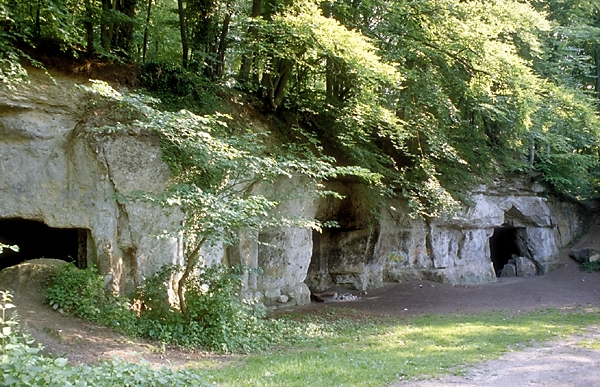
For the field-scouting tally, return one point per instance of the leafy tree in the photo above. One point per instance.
(161, 37)
(573, 47)
(10, 247)
(217, 175)
(430, 94)
(473, 97)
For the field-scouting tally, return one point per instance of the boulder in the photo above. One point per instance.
(509, 270)
(580, 255)
(585, 255)
(525, 267)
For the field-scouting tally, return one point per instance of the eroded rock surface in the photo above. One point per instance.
(55, 167)
(368, 251)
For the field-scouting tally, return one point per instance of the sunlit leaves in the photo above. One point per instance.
(3, 246)
(217, 174)
(471, 68)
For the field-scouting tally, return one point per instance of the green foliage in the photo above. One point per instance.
(25, 24)
(78, 292)
(473, 98)
(216, 170)
(12, 74)
(217, 319)
(179, 88)
(7, 323)
(217, 176)
(434, 96)
(23, 364)
(566, 133)
(3, 246)
(591, 267)
(228, 322)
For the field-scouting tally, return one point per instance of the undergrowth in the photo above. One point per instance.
(217, 318)
(591, 267)
(333, 348)
(23, 364)
(179, 88)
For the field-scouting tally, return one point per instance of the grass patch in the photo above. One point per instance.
(377, 353)
(590, 344)
(590, 267)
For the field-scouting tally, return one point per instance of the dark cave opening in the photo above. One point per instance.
(503, 244)
(37, 240)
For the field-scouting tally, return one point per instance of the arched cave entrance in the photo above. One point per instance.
(37, 240)
(503, 244)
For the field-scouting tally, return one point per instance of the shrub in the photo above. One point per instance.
(591, 267)
(179, 88)
(82, 293)
(228, 322)
(217, 318)
(22, 364)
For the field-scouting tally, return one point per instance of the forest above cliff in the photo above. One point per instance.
(433, 97)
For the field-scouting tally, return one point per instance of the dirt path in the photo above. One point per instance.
(564, 363)
(558, 364)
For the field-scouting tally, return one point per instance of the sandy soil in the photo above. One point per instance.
(565, 363)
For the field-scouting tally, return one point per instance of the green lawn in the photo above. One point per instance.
(359, 352)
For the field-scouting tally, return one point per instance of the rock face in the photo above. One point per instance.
(475, 246)
(55, 168)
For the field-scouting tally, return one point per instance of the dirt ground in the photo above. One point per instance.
(565, 363)
(564, 287)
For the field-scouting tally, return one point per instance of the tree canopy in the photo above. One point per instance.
(433, 95)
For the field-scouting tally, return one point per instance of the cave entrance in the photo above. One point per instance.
(37, 240)
(503, 244)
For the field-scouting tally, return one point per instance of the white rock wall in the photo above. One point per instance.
(452, 250)
(56, 170)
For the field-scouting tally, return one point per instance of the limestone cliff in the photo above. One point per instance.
(57, 169)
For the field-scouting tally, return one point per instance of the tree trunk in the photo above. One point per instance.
(38, 26)
(182, 30)
(274, 86)
(216, 52)
(145, 43)
(222, 46)
(89, 27)
(285, 73)
(247, 59)
(532, 152)
(597, 63)
(329, 79)
(190, 264)
(125, 38)
(108, 26)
